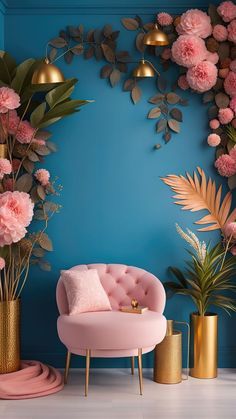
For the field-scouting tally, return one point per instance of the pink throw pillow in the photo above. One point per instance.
(84, 291)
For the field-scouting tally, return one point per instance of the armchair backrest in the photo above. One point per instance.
(121, 283)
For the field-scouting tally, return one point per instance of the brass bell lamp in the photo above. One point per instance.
(145, 69)
(156, 37)
(47, 72)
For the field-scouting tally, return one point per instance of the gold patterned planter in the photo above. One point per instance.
(9, 336)
(204, 331)
(3, 151)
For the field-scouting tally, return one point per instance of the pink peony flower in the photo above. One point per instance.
(213, 57)
(164, 19)
(213, 140)
(195, 22)
(214, 124)
(16, 212)
(232, 153)
(183, 83)
(42, 176)
(8, 99)
(2, 263)
(188, 50)
(202, 77)
(220, 33)
(232, 66)
(5, 167)
(230, 84)
(225, 115)
(227, 10)
(226, 165)
(10, 121)
(230, 229)
(166, 54)
(25, 133)
(232, 31)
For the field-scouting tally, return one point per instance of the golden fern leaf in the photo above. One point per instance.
(197, 193)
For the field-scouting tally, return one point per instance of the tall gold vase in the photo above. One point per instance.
(9, 336)
(203, 356)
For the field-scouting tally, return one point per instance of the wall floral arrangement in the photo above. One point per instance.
(202, 44)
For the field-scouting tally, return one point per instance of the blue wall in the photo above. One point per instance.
(2, 10)
(115, 207)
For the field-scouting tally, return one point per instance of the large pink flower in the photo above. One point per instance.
(20, 205)
(195, 22)
(10, 121)
(226, 165)
(227, 10)
(5, 167)
(225, 115)
(232, 31)
(8, 99)
(42, 176)
(202, 77)
(25, 132)
(230, 84)
(220, 33)
(11, 231)
(188, 50)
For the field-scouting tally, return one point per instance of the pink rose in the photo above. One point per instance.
(195, 22)
(230, 84)
(25, 132)
(232, 31)
(8, 99)
(220, 33)
(164, 19)
(2, 263)
(183, 83)
(5, 167)
(227, 10)
(202, 77)
(214, 124)
(226, 165)
(225, 115)
(213, 140)
(188, 50)
(42, 176)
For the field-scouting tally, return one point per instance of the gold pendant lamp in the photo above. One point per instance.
(156, 37)
(145, 69)
(47, 72)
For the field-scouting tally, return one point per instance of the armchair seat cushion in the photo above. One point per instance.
(111, 330)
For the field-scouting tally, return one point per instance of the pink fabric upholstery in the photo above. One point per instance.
(84, 291)
(114, 333)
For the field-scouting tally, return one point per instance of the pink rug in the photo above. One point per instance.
(33, 380)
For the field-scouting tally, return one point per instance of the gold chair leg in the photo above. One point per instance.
(140, 370)
(87, 371)
(132, 365)
(68, 356)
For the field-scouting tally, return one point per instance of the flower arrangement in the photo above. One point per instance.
(202, 44)
(25, 111)
(208, 276)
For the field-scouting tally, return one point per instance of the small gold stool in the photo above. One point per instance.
(168, 356)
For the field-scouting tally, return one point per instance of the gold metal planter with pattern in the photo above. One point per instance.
(9, 336)
(3, 151)
(204, 345)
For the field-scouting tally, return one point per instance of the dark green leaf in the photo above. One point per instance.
(60, 93)
(21, 74)
(37, 115)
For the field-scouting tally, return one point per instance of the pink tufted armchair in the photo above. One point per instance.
(114, 333)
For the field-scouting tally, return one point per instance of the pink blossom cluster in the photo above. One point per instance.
(9, 99)
(5, 168)
(22, 130)
(195, 22)
(226, 163)
(42, 176)
(164, 19)
(227, 11)
(16, 212)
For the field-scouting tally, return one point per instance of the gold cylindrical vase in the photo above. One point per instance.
(168, 357)
(204, 336)
(3, 151)
(9, 336)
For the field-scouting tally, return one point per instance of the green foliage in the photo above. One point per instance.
(205, 281)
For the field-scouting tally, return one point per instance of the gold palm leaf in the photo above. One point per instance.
(197, 193)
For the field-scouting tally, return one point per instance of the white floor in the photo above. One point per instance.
(114, 394)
